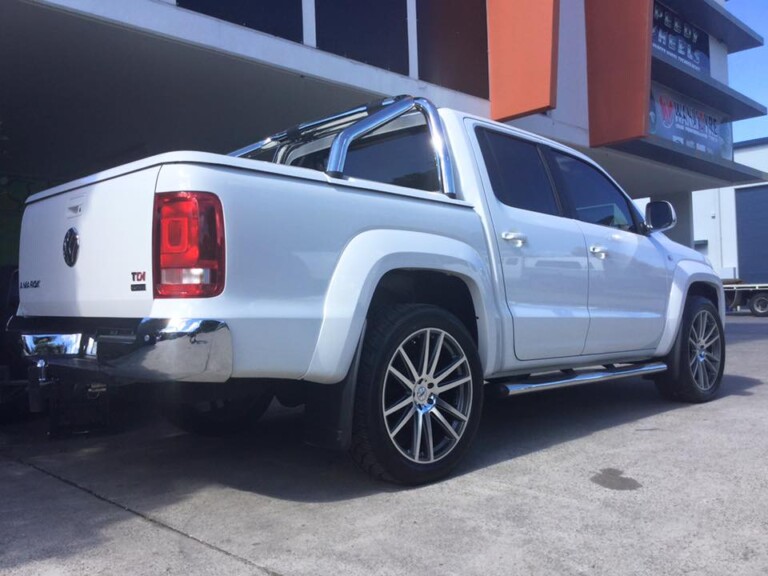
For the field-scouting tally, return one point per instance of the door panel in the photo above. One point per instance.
(628, 287)
(546, 282)
(628, 278)
(543, 255)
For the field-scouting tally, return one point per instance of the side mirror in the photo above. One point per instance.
(660, 216)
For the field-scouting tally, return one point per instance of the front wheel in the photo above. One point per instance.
(419, 395)
(697, 361)
(758, 304)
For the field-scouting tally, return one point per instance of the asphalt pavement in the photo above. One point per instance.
(607, 479)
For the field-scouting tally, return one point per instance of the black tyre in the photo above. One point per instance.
(217, 417)
(758, 304)
(697, 360)
(419, 395)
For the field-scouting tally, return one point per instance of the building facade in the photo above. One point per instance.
(640, 86)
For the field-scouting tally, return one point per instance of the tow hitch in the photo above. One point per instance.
(37, 383)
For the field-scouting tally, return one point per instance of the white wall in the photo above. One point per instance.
(756, 157)
(714, 211)
(718, 60)
(714, 217)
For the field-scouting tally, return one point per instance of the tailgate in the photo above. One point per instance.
(88, 251)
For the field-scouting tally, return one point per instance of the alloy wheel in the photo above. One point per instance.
(427, 395)
(704, 350)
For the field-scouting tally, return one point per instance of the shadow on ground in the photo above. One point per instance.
(273, 461)
(150, 465)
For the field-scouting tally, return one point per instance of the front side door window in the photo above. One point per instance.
(593, 197)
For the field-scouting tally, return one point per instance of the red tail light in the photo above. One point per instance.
(188, 245)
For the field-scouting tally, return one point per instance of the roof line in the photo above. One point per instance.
(750, 143)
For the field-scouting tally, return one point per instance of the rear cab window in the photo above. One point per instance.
(517, 172)
(399, 153)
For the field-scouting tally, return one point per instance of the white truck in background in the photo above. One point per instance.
(387, 267)
(753, 296)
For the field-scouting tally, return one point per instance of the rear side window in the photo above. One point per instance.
(593, 197)
(517, 173)
(404, 157)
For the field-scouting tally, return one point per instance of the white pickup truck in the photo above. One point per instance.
(387, 267)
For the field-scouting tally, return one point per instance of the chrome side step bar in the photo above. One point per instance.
(565, 379)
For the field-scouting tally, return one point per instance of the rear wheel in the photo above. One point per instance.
(758, 304)
(697, 361)
(419, 395)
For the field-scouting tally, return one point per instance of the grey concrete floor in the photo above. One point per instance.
(607, 479)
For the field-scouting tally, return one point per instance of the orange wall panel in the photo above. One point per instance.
(522, 56)
(618, 69)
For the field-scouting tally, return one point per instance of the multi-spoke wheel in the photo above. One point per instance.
(698, 358)
(705, 350)
(419, 395)
(427, 395)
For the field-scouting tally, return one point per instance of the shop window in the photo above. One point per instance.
(281, 18)
(372, 32)
(453, 44)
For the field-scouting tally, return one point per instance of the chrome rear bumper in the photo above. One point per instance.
(148, 349)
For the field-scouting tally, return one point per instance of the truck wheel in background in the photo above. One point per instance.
(217, 417)
(419, 394)
(758, 304)
(697, 360)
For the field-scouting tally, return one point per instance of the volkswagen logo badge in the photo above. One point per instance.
(71, 247)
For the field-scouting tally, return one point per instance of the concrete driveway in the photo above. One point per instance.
(608, 479)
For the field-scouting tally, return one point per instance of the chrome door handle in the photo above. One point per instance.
(516, 238)
(598, 252)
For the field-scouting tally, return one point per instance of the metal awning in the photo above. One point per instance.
(705, 89)
(722, 172)
(717, 21)
(655, 167)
